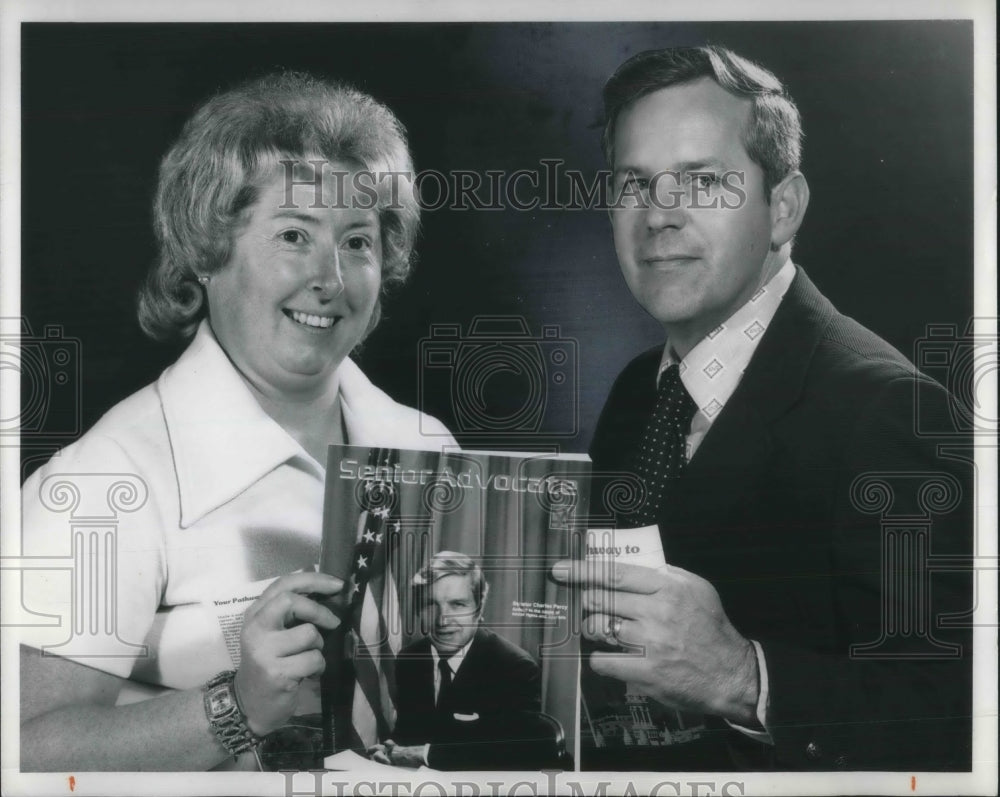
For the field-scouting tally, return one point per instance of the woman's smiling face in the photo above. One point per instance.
(301, 284)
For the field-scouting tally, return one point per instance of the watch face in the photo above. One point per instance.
(220, 700)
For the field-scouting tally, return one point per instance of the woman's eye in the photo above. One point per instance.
(292, 236)
(358, 243)
(704, 179)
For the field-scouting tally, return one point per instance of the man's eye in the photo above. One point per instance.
(704, 179)
(292, 236)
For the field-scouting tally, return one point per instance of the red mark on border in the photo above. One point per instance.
(72, 783)
(913, 782)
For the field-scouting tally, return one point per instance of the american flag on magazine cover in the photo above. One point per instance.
(375, 636)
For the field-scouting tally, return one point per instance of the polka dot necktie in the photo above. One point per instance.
(661, 456)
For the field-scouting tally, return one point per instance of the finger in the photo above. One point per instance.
(303, 583)
(375, 748)
(630, 669)
(296, 640)
(599, 627)
(285, 609)
(605, 574)
(303, 665)
(380, 757)
(621, 604)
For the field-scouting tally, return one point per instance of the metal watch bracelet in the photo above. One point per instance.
(225, 715)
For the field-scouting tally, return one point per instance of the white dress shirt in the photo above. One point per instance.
(232, 499)
(454, 661)
(711, 372)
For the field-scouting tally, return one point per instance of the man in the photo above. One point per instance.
(467, 698)
(754, 430)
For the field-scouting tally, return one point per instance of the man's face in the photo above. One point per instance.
(702, 249)
(450, 614)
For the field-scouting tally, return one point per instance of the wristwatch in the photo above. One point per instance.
(225, 715)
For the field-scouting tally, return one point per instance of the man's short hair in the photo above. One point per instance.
(452, 563)
(773, 135)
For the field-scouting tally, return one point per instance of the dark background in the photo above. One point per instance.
(887, 109)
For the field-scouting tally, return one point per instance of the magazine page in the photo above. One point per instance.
(621, 728)
(456, 648)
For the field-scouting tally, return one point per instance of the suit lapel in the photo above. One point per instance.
(728, 463)
(774, 379)
(423, 666)
(465, 678)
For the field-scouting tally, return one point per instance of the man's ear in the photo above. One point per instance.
(789, 200)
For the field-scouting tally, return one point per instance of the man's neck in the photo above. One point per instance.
(459, 654)
(685, 335)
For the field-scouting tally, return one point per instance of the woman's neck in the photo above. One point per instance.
(314, 421)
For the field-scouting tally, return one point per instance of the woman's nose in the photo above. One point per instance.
(328, 279)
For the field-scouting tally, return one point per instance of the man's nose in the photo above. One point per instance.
(667, 203)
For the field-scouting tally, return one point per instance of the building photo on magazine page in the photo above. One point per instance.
(499, 407)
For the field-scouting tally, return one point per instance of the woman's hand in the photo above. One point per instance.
(281, 645)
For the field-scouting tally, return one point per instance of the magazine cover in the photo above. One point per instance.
(621, 728)
(456, 649)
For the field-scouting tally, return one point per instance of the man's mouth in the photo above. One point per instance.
(310, 320)
(655, 260)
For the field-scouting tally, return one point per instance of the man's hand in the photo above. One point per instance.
(397, 755)
(680, 647)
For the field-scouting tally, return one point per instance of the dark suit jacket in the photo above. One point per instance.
(764, 511)
(489, 719)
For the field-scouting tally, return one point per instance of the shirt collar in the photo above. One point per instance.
(371, 416)
(223, 441)
(712, 369)
(455, 659)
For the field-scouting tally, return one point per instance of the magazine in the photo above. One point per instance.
(455, 643)
(621, 728)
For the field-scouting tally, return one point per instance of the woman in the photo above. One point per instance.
(277, 237)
